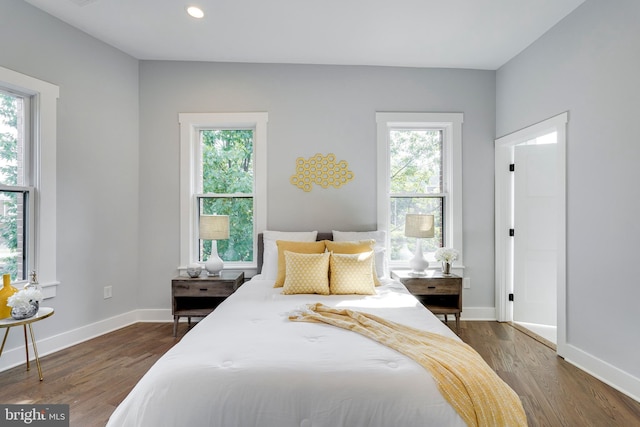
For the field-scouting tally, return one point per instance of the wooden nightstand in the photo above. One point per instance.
(440, 294)
(200, 296)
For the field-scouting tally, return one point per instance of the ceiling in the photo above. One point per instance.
(476, 34)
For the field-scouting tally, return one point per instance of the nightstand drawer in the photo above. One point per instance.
(216, 289)
(418, 287)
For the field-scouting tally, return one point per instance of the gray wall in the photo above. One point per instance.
(118, 202)
(118, 210)
(97, 163)
(312, 109)
(588, 65)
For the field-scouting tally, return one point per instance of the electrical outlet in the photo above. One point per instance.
(107, 292)
(466, 282)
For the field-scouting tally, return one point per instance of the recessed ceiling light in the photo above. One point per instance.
(195, 11)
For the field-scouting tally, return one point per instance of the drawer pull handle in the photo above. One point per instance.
(431, 287)
(204, 289)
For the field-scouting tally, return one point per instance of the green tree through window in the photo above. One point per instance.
(227, 187)
(416, 185)
(10, 246)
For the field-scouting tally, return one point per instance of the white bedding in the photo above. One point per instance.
(247, 365)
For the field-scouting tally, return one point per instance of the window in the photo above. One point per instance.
(223, 171)
(28, 178)
(225, 181)
(15, 193)
(419, 171)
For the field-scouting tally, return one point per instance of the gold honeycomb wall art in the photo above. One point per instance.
(321, 170)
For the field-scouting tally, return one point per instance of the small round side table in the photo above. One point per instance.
(8, 323)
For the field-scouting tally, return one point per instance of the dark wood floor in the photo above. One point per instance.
(93, 377)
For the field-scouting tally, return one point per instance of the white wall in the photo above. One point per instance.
(312, 109)
(97, 164)
(588, 65)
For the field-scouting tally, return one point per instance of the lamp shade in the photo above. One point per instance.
(418, 225)
(214, 227)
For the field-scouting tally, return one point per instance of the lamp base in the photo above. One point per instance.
(417, 273)
(418, 263)
(214, 264)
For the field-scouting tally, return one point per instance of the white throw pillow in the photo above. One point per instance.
(382, 262)
(382, 265)
(270, 254)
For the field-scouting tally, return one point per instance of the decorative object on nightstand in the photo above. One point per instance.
(199, 296)
(214, 228)
(441, 294)
(419, 226)
(33, 283)
(6, 291)
(194, 270)
(26, 302)
(446, 256)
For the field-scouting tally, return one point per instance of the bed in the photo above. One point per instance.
(247, 364)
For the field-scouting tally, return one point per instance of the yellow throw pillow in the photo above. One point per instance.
(306, 273)
(297, 247)
(354, 247)
(352, 274)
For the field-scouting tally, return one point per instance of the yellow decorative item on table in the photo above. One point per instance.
(6, 291)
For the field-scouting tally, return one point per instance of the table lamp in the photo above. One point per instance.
(419, 226)
(214, 228)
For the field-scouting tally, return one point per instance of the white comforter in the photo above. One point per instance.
(247, 365)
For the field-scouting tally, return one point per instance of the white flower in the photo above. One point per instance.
(446, 255)
(23, 298)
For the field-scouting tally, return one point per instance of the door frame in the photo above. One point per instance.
(504, 218)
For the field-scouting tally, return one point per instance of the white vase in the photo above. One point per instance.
(418, 263)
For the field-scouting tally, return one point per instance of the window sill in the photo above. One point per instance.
(49, 290)
(433, 265)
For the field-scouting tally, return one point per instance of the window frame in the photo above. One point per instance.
(451, 124)
(190, 165)
(28, 194)
(42, 130)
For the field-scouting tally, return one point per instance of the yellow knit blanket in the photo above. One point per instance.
(473, 389)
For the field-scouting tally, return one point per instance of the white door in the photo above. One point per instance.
(535, 238)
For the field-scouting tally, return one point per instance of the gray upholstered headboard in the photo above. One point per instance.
(321, 236)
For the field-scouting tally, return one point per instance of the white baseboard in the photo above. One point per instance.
(605, 372)
(16, 356)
